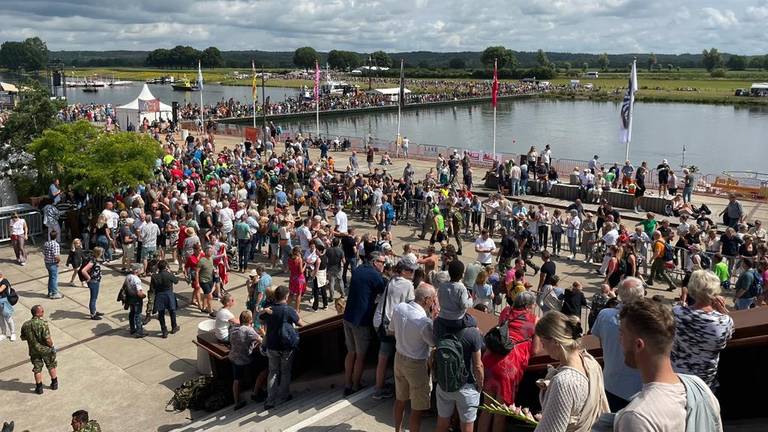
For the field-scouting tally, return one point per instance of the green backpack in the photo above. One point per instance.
(450, 372)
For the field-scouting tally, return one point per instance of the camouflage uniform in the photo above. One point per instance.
(91, 426)
(36, 333)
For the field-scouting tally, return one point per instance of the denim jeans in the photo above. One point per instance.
(351, 264)
(134, 316)
(103, 242)
(243, 252)
(93, 287)
(514, 186)
(53, 278)
(687, 191)
(279, 377)
(524, 187)
(744, 303)
(335, 282)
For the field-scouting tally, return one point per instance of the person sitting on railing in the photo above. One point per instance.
(586, 183)
(385, 159)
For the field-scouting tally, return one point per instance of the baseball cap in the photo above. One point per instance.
(408, 262)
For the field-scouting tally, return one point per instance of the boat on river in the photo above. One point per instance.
(185, 85)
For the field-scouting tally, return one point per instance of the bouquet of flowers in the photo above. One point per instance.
(522, 415)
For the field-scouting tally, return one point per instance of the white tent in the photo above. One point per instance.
(134, 113)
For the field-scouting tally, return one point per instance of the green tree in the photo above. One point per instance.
(603, 61)
(159, 58)
(711, 59)
(737, 62)
(457, 63)
(31, 54)
(211, 58)
(651, 61)
(756, 62)
(343, 60)
(584, 66)
(35, 113)
(566, 66)
(381, 59)
(504, 56)
(89, 160)
(305, 57)
(542, 59)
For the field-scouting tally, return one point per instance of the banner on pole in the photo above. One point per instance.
(149, 105)
(625, 131)
(253, 83)
(495, 85)
(317, 82)
(251, 134)
(401, 95)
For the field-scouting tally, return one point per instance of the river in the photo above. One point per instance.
(716, 137)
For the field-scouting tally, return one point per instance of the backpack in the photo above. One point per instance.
(705, 260)
(497, 339)
(450, 372)
(669, 252)
(757, 285)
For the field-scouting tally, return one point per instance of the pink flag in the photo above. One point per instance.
(317, 81)
(494, 86)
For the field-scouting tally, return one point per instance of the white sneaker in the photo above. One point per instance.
(13, 338)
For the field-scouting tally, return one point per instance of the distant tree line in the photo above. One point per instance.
(32, 54)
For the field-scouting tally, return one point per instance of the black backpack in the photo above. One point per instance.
(705, 260)
(497, 339)
(450, 371)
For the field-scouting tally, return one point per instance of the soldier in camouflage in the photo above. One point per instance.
(41, 349)
(81, 423)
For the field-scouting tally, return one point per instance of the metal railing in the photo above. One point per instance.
(31, 215)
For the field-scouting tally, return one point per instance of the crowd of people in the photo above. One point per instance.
(269, 208)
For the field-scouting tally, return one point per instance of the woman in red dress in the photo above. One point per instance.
(503, 373)
(297, 283)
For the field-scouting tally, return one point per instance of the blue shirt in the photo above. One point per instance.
(264, 282)
(281, 198)
(620, 379)
(365, 285)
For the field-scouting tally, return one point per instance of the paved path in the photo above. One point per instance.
(125, 383)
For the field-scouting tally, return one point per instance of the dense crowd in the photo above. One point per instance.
(268, 207)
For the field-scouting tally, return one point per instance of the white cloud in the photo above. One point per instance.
(717, 19)
(612, 26)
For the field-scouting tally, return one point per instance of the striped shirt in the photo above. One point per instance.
(51, 251)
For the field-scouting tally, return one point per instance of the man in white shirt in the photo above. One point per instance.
(148, 234)
(112, 217)
(647, 333)
(135, 298)
(227, 220)
(341, 221)
(484, 246)
(412, 326)
(398, 290)
(304, 235)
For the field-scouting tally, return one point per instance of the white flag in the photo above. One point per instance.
(625, 134)
(199, 76)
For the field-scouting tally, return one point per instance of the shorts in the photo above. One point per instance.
(49, 360)
(148, 253)
(639, 192)
(466, 401)
(386, 347)
(274, 249)
(207, 287)
(239, 371)
(412, 382)
(356, 338)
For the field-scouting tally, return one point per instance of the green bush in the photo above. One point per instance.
(718, 73)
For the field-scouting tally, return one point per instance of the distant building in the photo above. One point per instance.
(9, 94)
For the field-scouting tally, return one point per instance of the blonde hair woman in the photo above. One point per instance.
(572, 395)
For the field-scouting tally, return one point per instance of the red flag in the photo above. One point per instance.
(317, 81)
(495, 86)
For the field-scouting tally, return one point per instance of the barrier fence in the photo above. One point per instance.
(31, 215)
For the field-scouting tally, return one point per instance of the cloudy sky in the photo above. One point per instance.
(615, 26)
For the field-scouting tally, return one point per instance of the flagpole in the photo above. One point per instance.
(200, 84)
(494, 108)
(264, 109)
(317, 99)
(253, 90)
(400, 102)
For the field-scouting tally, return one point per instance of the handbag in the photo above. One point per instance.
(12, 295)
(497, 339)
